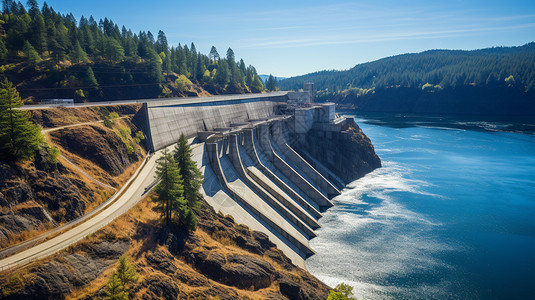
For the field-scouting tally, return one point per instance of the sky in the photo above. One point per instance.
(290, 38)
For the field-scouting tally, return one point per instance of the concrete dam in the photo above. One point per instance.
(247, 148)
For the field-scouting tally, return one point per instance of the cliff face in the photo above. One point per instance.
(349, 154)
(38, 196)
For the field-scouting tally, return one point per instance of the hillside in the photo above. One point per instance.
(219, 260)
(438, 81)
(94, 159)
(48, 55)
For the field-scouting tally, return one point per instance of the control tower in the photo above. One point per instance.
(308, 88)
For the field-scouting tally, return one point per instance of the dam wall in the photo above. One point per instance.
(247, 148)
(163, 121)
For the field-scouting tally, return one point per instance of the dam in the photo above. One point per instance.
(250, 150)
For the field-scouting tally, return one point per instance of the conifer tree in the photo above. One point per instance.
(192, 178)
(120, 282)
(78, 54)
(169, 192)
(213, 54)
(31, 55)
(126, 271)
(114, 289)
(19, 137)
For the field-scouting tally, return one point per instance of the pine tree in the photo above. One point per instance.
(38, 33)
(169, 192)
(78, 54)
(161, 42)
(126, 272)
(19, 137)
(31, 55)
(120, 282)
(213, 54)
(114, 289)
(192, 178)
(271, 83)
(230, 56)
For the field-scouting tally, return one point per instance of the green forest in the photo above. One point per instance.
(498, 80)
(49, 55)
(433, 70)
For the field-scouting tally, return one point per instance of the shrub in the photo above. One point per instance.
(341, 292)
(53, 154)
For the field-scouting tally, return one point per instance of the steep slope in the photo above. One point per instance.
(39, 195)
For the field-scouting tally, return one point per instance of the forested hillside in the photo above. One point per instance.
(52, 55)
(483, 76)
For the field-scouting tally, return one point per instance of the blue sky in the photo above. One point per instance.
(288, 38)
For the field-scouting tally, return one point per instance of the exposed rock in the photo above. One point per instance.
(15, 223)
(52, 281)
(349, 154)
(162, 261)
(241, 271)
(63, 275)
(99, 145)
(84, 269)
(159, 286)
(107, 249)
(60, 192)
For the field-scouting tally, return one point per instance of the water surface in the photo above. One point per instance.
(451, 215)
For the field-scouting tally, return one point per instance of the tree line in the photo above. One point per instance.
(443, 69)
(93, 58)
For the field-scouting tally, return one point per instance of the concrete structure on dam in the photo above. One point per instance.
(252, 171)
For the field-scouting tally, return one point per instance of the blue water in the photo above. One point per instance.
(450, 215)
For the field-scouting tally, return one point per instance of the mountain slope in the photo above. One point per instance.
(486, 77)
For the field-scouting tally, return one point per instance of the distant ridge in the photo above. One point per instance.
(447, 68)
(499, 80)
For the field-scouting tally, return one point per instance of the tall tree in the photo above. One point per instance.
(161, 43)
(271, 83)
(120, 282)
(191, 176)
(230, 56)
(78, 54)
(213, 54)
(169, 192)
(31, 55)
(19, 137)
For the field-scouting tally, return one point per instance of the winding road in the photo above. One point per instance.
(128, 196)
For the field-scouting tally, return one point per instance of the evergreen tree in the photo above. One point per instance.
(161, 43)
(31, 55)
(120, 282)
(114, 289)
(155, 64)
(38, 33)
(113, 50)
(169, 192)
(191, 176)
(126, 271)
(230, 56)
(3, 50)
(271, 83)
(213, 54)
(78, 54)
(19, 137)
(257, 85)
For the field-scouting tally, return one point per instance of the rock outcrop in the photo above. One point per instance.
(38, 196)
(349, 154)
(99, 145)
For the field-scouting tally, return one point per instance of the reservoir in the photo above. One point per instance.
(450, 215)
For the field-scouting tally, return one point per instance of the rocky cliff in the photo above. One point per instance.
(349, 154)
